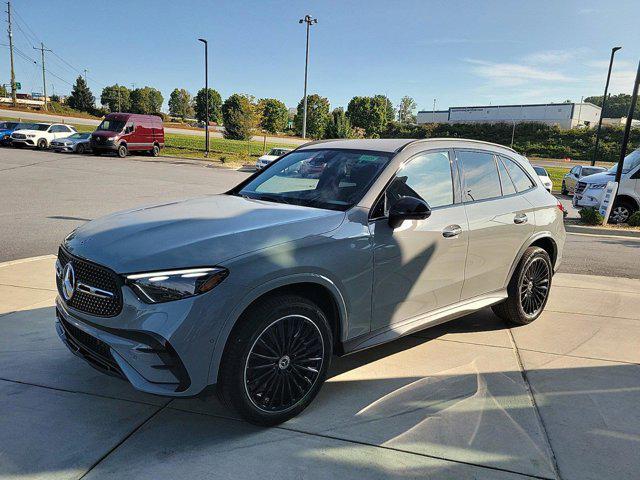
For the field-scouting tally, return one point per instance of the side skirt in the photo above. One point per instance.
(421, 322)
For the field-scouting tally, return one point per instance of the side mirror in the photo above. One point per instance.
(408, 208)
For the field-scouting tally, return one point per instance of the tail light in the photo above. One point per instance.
(560, 206)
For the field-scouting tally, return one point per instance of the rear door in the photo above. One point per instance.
(419, 266)
(500, 218)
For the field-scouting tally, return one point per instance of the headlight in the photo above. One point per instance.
(111, 139)
(31, 135)
(157, 287)
(597, 186)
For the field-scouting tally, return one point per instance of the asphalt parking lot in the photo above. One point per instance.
(471, 399)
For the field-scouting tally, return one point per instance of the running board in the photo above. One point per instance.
(415, 324)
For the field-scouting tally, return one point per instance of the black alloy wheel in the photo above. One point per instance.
(534, 286)
(42, 144)
(80, 149)
(284, 363)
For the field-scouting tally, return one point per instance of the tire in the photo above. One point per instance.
(122, 151)
(621, 211)
(155, 151)
(564, 190)
(295, 363)
(80, 149)
(41, 144)
(528, 288)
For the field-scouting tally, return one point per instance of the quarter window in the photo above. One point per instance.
(519, 177)
(480, 175)
(508, 188)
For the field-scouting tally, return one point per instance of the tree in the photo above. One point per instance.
(81, 97)
(215, 105)
(370, 113)
(338, 125)
(617, 105)
(405, 110)
(3, 91)
(180, 103)
(239, 116)
(274, 115)
(146, 100)
(317, 116)
(117, 98)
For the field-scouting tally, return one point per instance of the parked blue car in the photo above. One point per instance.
(6, 129)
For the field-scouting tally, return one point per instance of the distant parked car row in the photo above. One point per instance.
(120, 133)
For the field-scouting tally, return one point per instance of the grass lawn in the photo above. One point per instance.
(556, 174)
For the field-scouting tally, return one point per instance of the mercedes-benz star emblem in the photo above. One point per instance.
(68, 281)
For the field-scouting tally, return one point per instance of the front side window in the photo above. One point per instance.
(519, 177)
(480, 175)
(333, 179)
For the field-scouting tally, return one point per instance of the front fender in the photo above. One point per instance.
(260, 290)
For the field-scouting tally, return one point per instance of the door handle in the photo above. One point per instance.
(520, 218)
(451, 231)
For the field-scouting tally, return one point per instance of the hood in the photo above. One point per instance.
(70, 140)
(199, 232)
(602, 177)
(104, 134)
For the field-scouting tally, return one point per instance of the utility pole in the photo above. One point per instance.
(433, 119)
(85, 75)
(13, 74)
(627, 128)
(206, 96)
(309, 20)
(118, 90)
(44, 78)
(604, 104)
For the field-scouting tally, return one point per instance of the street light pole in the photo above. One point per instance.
(604, 104)
(627, 128)
(206, 96)
(309, 20)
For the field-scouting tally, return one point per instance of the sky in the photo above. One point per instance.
(459, 53)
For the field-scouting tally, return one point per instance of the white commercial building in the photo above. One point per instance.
(563, 115)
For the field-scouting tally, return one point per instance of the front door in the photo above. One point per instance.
(500, 218)
(419, 266)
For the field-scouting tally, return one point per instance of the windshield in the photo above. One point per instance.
(80, 135)
(324, 178)
(631, 161)
(541, 171)
(111, 125)
(590, 171)
(7, 125)
(278, 152)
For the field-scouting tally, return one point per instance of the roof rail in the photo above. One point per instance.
(453, 139)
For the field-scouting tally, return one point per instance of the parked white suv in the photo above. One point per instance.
(589, 189)
(40, 135)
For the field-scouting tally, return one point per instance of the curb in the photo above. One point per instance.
(609, 232)
(26, 260)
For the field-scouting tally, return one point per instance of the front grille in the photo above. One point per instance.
(94, 350)
(20, 136)
(580, 187)
(96, 276)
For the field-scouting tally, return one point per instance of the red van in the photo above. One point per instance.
(128, 132)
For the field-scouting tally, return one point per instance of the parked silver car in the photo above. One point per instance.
(76, 143)
(255, 289)
(570, 179)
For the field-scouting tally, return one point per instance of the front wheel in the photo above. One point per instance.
(621, 211)
(42, 144)
(528, 289)
(276, 360)
(122, 151)
(80, 149)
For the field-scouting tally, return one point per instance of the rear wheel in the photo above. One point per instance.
(528, 289)
(621, 211)
(42, 144)
(155, 151)
(122, 151)
(276, 360)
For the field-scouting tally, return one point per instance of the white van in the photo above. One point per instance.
(589, 190)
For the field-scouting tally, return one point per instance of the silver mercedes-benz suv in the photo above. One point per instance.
(335, 247)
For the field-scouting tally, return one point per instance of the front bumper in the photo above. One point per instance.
(62, 148)
(104, 146)
(30, 142)
(588, 198)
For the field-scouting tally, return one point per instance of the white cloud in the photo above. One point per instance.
(513, 74)
(551, 57)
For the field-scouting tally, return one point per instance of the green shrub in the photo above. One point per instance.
(634, 220)
(591, 216)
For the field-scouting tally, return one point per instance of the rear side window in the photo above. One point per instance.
(480, 175)
(519, 177)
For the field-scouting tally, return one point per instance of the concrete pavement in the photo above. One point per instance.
(469, 399)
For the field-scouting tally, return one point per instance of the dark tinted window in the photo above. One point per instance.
(520, 179)
(480, 175)
(508, 188)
